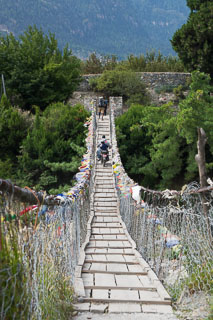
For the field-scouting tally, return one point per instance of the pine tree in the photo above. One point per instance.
(193, 41)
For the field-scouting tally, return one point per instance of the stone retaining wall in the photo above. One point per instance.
(158, 79)
(151, 79)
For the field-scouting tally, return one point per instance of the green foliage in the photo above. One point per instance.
(200, 278)
(122, 83)
(6, 168)
(199, 275)
(52, 150)
(152, 62)
(163, 152)
(196, 110)
(178, 91)
(164, 89)
(35, 70)
(18, 279)
(149, 145)
(13, 129)
(193, 41)
(56, 300)
(95, 64)
(12, 275)
(109, 62)
(92, 65)
(133, 141)
(195, 4)
(45, 153)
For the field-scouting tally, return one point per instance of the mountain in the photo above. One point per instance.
(119, 27)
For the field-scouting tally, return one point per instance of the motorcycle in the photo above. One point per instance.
(104, 157)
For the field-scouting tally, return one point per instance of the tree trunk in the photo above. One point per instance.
(201, 162)
(201, 157)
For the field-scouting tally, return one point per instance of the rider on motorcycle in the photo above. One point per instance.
(103, 145)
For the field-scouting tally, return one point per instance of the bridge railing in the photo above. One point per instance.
(40, 238)
(170, 229)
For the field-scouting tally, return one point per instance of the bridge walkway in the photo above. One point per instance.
(112, 277)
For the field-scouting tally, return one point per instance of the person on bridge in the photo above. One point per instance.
(102, 145)
(105, 106)
(101, 108)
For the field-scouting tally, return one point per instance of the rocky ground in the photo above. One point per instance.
(194, 307)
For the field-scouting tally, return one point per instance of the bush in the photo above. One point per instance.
(127, 84)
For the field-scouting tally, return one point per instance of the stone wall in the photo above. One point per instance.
(84, 98)
(151, 79)
(118, 101)
(158, 79)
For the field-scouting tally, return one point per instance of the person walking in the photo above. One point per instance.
(101, 108)
(105, 106)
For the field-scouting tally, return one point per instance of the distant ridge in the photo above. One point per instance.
(119, 27)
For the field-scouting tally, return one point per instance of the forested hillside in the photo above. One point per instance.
(118, 27)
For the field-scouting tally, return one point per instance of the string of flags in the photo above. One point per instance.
(83, 176)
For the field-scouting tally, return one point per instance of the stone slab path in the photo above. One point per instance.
(111, 276)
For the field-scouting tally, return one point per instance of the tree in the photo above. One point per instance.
(152, 62)
(195, 116)
(127, 84)
(109, 62)
(92, 65)
(53, 148)
(195, 4)
(193, 41)
(95, 65)
(13, 129)
(166, 148)
(196, 110)
(149, 145)
(132, 140)
(158, 144)
(36, 71)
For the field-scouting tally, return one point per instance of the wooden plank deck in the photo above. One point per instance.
(113, 277)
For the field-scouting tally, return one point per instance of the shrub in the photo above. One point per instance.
(127, 84)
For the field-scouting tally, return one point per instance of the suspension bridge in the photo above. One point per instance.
(113, 277)
(118, 244)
